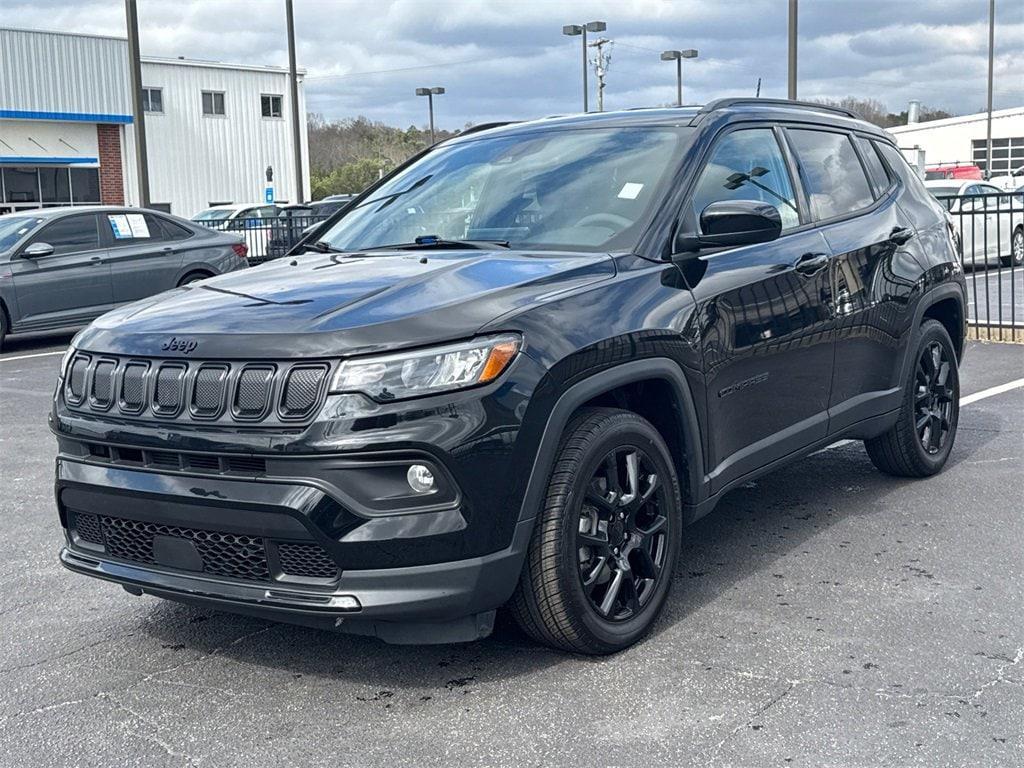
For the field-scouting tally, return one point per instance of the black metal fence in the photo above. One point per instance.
(268, 238)
(990, 229)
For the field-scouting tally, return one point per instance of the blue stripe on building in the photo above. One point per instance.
(26, 160)
(73, 117)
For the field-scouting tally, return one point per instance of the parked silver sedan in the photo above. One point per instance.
(990, 221)
(63, 267)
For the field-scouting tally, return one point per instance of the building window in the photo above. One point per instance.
(1007, 155)
(153, 100)
(47, 186)
(271, 105)
(213, 103)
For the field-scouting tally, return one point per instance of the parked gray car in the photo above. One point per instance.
(64, 267)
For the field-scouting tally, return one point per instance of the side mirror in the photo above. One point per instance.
(37, 251)
(738, 222)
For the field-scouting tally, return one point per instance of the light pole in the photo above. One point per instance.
(677, 57)
(138, 112)
(791, 78)
(572, 30)
(430, 93)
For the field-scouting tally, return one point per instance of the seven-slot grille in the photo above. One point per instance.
(196, 390)
(234, 555)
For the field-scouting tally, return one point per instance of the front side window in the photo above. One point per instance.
(13, 228)
(152, 100)
(270, 105)
(71, 234)
(832, 173)
(213, 103)
(748, 165)
(588, 189)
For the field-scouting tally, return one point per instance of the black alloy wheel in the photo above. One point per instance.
(933, 399)
(623, 539)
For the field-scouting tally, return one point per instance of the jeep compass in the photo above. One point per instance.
(509, 374)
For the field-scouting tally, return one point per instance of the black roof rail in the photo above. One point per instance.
(717, 104)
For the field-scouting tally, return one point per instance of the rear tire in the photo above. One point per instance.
(599, 564)
(193, 277)
(3, 328)
(920, 441)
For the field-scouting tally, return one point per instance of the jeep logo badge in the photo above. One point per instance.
(174, 344)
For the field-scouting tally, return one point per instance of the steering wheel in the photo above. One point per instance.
(610, 220)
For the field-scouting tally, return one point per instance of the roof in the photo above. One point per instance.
(690, 115)
(47, 213)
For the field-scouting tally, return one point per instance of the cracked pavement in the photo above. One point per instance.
(822, 615)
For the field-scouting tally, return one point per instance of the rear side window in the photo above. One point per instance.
(898, 164)
(748, 165)
(876, 168)
(833, 176)
(130, 228)
(173, 230)
(71, 234)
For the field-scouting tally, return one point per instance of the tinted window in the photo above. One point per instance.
(876, 169)
(133, 228)
(172, 230)
(747, 165)
(21, 185)
(85, 185)
(55, 184)
(71, 234)
(898, 164)
(833, 176)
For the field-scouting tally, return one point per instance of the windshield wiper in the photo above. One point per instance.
(322, 246)
(390, 198)
(424, 242)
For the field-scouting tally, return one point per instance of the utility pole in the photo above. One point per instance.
(792, 49)
(601, 61)
(572, 30)
(293, 76)
(131, 13)
(991, 56)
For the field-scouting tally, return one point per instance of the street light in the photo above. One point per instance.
(677, 57)
(581, 29)
(430, 93)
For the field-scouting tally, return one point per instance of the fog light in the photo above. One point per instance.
(421, 479)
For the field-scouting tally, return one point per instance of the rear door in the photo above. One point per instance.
(764, 314)
(69, 287)
(854, 201)
(143, 261)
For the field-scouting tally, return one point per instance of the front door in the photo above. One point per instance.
(71, 286)
(764, 315)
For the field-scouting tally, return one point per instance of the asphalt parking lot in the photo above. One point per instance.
(996, 296)
(824, 615)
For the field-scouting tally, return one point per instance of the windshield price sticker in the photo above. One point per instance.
(630, 190)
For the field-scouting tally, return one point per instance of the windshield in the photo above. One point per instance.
(213, 214)
(13, 228)
(584, 190)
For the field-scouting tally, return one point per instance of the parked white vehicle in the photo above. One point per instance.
(990, 221)
(250, 220)
(1012, 181)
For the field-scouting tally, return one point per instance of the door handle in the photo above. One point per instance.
(810, 263)
(96, 260)
(900, 235)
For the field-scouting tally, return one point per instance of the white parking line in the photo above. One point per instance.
(966, 400)
(37, 354)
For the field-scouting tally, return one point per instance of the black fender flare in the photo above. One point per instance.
(630, 372)
(928, 300)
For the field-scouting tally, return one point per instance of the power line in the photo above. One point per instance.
(401, 69)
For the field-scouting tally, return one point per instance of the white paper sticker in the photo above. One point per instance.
(119, 226)
(137, 222)
(630, 190)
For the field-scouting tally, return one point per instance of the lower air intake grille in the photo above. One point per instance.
(88, 528)
(224, 554)
(307, 560)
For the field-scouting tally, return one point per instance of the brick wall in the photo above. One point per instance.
(111, 178)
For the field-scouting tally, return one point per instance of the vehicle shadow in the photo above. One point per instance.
(749, 536)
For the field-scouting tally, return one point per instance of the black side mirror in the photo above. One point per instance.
(738, 222)
(37, 251)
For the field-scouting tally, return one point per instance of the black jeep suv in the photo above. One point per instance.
(511, 372)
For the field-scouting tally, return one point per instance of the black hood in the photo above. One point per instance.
(333, 304)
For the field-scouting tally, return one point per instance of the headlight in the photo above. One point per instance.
(427, 371)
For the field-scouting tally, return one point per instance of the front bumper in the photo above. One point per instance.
(434, 602)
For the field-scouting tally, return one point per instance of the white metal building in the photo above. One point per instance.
(962, 140)
(67, 134)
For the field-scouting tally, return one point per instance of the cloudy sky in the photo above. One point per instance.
(502, 60)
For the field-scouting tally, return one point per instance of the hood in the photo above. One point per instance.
(323, 305)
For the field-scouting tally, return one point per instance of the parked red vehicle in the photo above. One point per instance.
(954, 171)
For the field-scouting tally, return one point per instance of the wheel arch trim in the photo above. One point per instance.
(928, 300)
(605, 381)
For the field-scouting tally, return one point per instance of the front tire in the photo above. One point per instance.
(1016, 257)
(600, 562)
(920, 441)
